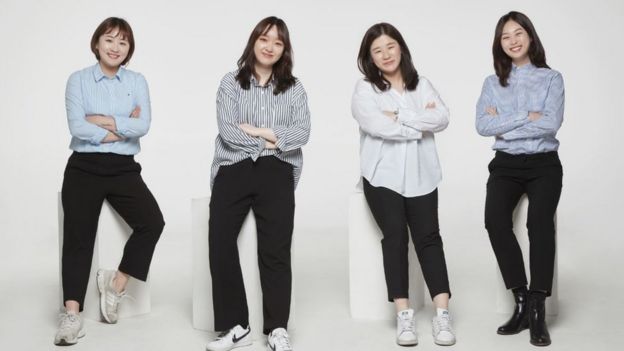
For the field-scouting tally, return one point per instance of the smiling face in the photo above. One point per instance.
(268, 48)
(112, 48)
(386, 54)
(515, 42)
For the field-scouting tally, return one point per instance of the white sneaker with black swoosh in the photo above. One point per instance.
(229, 339)
(278, 340)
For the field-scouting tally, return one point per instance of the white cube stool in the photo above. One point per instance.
(504, 298)
(368, 295)
(112, 234)
(203, 312)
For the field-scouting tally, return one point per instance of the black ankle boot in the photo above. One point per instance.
(537, 322)
(519, 321)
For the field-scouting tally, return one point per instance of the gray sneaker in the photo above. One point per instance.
(109, 298)
(70, 329)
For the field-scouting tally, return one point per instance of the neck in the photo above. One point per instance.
(108, 71)
(262, 73)
(396, 80)
(522, 61)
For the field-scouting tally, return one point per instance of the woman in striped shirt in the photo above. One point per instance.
(398, 112)
(263, 121)
(108, 110)
(522, 107)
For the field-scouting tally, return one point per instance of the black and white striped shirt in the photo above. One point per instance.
(286, 113)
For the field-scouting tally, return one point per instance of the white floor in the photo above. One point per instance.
(589, 318)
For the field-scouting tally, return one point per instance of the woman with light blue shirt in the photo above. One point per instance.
(521, 106)
(108, 111)
(398, 112)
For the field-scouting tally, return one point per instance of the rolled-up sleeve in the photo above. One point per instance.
(228, 122)
(373, 121)
(297, 133)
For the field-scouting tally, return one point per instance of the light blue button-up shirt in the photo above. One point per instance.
(90, 92)
(530, 89)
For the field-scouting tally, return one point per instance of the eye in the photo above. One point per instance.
(279, 43)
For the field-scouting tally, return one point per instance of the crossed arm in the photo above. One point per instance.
(98, 128)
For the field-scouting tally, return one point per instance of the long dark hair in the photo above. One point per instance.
(109, 25)
(371, 72)
(502, 62)
(282, 69)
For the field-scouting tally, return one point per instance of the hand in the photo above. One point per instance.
(491, 111)
(391, 114)
(534, 116)
(431, 105)
(269, 145)
(136, 112)
(249, 129)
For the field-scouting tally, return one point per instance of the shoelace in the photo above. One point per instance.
(113, 299)
(68, 321)
(444, 323)
(407, 324)
(281, 339)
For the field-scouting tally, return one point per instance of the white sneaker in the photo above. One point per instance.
(442, 329)
(70, 329)
(406, 328)
(229, 339)
(109, 298)
(278, 340)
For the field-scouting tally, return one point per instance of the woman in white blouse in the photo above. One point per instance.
(398, 112)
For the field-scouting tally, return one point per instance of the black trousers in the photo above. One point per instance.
(89, 179)
(267, 187)
(393, 214)
(539, 176)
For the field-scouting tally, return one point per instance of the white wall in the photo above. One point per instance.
(185, 47)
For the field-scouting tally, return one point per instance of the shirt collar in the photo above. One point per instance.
(524, 68)
(98, 75)
(255, 82)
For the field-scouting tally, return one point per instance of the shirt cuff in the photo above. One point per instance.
(280, 134)
(121, 125)
(261, 147)
(99, 136)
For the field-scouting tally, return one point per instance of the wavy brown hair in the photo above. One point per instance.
(372, 72)
(281, 70)
(502, 62)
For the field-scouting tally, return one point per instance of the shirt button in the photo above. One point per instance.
(263, 107)
(262, 125)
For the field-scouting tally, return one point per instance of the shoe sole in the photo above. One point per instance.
(101, 286)
(512, 333)
(241, 343)
(64, 342)
(407, 343)
(540, 343)
(444, 343)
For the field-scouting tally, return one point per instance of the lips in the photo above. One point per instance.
(113, 56)
(516, 48)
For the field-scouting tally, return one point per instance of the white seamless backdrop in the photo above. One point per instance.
(185, 47)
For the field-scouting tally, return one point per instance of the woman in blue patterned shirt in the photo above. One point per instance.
(108, 110)
(263, 121)
(521, 106)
